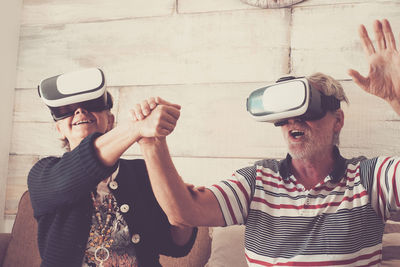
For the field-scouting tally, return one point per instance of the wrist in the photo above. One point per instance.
(132, 129)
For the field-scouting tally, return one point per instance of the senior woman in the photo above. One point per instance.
(93, 208)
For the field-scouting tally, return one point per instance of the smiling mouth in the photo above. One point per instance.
(296, 134)
(82, 122)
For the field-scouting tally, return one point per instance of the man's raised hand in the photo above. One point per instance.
(383, 79)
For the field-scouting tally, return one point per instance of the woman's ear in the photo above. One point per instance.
(111, 120)
(62, 135)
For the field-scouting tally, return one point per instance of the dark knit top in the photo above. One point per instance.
(60, 194)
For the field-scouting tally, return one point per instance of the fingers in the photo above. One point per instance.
(159, 123)
(145, 108)
(136, 113)
(380, 37)
(360, 80)
(161, 101)
(387, 31)
(366, 41)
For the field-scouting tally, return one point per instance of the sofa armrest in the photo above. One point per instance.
(4, 241)
(197, 257)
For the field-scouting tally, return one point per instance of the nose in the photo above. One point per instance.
(80, 110)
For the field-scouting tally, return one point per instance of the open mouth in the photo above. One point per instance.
(296, 133)
(82, 122)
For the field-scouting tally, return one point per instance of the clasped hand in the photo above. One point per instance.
(155, 117)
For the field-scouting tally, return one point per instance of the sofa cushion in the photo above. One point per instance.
(227, 247)
(197, 257)
(22, 250)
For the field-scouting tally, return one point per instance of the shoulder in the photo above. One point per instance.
(43, 164)
(272, 164)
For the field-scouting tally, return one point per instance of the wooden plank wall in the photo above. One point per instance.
(205, 55)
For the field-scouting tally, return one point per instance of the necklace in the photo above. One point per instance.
(103, 241)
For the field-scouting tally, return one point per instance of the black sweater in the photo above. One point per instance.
(60, 194)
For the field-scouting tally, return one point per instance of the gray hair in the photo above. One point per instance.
(329, 86)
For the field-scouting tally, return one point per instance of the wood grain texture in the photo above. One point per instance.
(313, 3)
(325, 38)
(272, 3)
(214, 123)
(18, 170)
(64, 11)
(195, 48)
(194, 6)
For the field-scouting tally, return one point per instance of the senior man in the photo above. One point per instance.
(313, 208)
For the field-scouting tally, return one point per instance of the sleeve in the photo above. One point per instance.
(381, 178)
(169, 248)
(234, 195)
(54, 182)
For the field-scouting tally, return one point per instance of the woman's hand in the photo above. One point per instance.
(383, 79)
(155, 117)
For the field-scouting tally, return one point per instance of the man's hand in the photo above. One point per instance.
(155, 117)
(383, 79)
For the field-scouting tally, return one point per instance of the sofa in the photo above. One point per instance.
(214, 247)
(19, 248)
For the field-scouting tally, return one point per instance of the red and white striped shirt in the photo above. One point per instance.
(338, 222)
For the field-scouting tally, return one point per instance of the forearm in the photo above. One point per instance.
(181, 206)
(110, 146)
(54, 182)
(167, 185)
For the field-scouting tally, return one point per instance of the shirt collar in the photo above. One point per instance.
(338, 172)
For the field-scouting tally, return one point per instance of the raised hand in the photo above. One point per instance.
(383, 79)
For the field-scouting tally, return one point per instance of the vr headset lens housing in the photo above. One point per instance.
(65, 93)
(94, 105)
(294, 98)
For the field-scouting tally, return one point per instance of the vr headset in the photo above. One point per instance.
(289, 97)
(65, 93)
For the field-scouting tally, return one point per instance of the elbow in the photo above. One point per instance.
(182, 220)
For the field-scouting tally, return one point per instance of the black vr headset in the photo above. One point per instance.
(290, 97)
(65, 93)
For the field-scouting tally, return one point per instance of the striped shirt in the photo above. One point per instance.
(338, 222)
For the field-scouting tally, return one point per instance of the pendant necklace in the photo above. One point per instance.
(103, 241)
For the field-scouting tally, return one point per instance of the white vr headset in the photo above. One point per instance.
(64, 93)
(289, 97)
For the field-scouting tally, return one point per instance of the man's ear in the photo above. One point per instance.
(60, 132)
(339, 116)
(111, 120)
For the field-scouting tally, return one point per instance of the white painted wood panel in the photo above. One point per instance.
(325, 38)
(194, 6)
(35, 138)
(18, 170)
(8, 223)
(214, 123)
(208, 171)
(66, 11)
(196, 48)
(338, 2)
